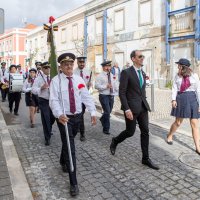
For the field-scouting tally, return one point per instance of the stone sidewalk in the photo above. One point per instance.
(162, 108)
(5, 183)
(103, 176)
(12, 179)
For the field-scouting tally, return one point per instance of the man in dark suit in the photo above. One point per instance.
(135, 106)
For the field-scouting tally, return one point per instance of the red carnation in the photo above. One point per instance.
(51, 19)
(87, 77)
(81, 86)
(114, 77)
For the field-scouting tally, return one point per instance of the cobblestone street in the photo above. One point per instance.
(103, 176)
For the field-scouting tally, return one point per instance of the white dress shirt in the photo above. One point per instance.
(27, 87)
(3, 72)
(102, 82)
(195, 86)
(38, 83)
(136, 70)
(81, 96)
(5, 78)
(86, 74)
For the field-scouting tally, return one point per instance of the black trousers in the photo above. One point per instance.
(73, 126)
(82, 124)
(47, 117)
(4, 93)
(143, 122)
(14, 97)
(107, 102)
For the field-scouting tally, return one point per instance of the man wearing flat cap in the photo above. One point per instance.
(3, 72)
(41, 88)
(107, 85)
(38, 67)
(85, 74)
(74, 93)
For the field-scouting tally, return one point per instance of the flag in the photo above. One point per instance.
(50, 40)
(52, 57)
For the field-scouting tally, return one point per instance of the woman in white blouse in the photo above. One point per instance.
(31, 99)
(185, 101)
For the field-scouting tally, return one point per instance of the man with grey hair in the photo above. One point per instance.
(115, 70)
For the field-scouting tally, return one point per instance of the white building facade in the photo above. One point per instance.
(112, 29)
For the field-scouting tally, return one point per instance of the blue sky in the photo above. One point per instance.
(35, 11)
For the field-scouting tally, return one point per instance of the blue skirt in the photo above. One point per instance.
(187, 106)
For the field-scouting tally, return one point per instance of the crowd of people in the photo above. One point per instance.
(65, 98)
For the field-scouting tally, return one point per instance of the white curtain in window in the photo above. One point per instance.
(99, 26)
(145, 12)
(98, 61)
(119, 20)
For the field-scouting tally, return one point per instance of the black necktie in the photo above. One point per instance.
(81, 73)
(109, 82)
(71, 96)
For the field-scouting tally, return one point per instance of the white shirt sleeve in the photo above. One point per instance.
(26, 86)
(174, 89)
(36, 88)
(99, 84)
(88, 101)
(54, 99)
(197, 88)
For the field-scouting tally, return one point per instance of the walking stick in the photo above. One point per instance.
(51, 19)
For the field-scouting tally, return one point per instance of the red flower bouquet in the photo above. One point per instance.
(81, 86)
(51, 19)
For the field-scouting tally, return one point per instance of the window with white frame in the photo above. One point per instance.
(98, 61)
(63, 35)
(36, 43)
(7, 46)
(119, 58)
(75, 32)
(145, 12)
(119, 21)
(10, 45)
(99, 26)
(42, 42)
(175, 5)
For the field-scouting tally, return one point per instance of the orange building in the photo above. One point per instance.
(13, 45)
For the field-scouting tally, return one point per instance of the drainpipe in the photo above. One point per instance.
(105, 35)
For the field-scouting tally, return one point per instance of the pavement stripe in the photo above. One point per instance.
(20, 187)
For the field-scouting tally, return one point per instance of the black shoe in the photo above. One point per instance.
(64, 168)
(197, 152)
(82, 138)
(10, 110)
(51, 133)
(113, 146)
(3, 100)
(169, 142)
(47, 142)
(15, 113)
(106, 132)
(32, 125)
(74, 191)
(150, 164)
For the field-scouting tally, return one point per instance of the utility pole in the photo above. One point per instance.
(1, 21)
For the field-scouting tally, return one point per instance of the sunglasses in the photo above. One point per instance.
(140, 56)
